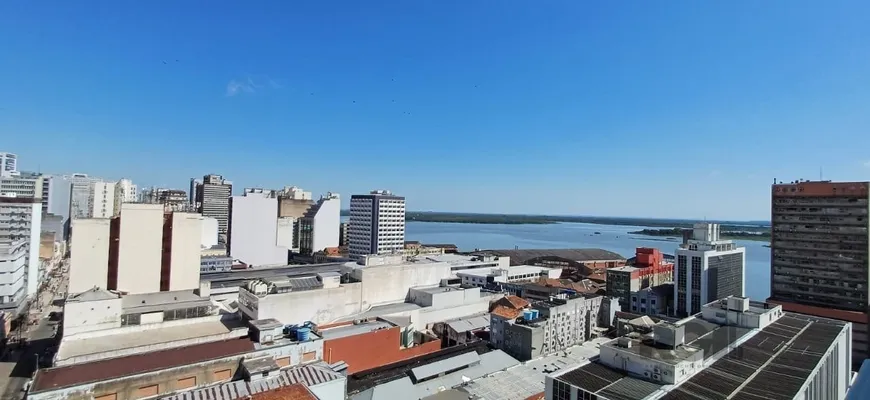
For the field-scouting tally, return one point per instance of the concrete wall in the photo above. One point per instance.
(209, 232)
(103, 200)
(89, 254)
(373, 349)
(320, 306)
(87, 316)
(390, 283)
(327, 224)
(140, 248)
(286, 231)
(253, 230)
(334, 389)
(185, 257)
(33, 254)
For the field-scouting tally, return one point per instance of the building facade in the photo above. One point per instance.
(319, 227)
(253, 230)
(819, 253)
(213, 200)
(649, 269)
(102, 200)
(81, 195)
(707, 268)
(377, 224)
(22, 185)
(21, 219)
(13, 269)
(8, 164)
(125, 192)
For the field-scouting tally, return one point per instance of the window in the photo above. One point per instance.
(112, 396)
(185, 383)
(146, 391)
(561, 390)
(223, 375)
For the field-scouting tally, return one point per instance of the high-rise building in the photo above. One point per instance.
(707, 268)
(213, 200)
(125, 192)
(819, 259)
(253, 230)
(377, 223)
(142, 250)
(8, 164)
(21, 219)
(102, 199)
(81, 195)
(25, 184)
(319, 227)
(13, 266)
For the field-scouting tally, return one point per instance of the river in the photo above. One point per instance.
(576, 235)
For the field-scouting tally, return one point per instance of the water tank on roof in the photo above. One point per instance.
(302, 334)
(535, 314)
(527, 315)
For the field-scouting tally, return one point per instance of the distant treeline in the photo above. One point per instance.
(516, 219)
(725, 234)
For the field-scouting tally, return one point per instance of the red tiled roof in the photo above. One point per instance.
(851, 316)
(293, 392)
(539, 396)
(53, 378)
(506, 312)
(512, 301)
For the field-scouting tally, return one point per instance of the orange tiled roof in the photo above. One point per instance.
(506, 312)
(296, 391)
(512, 301)
(539, 396)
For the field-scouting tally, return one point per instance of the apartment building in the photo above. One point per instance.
(819, 253)
(8, 164)
(102, 200)
(649, 270)
(143, 250)
(213, 199)
(319, 227)
(13, 267)
(81, 195)
(21, 219)
(377, 224)
(22, 184)
(125, 192)
(707, 268)
(253, 230)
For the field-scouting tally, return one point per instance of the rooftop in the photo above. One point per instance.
(79, 374)
(383, 310)
(527, 379)
(265, 389)
(786, 352)
(469, 323)
(133, 338)
(519, 257)
(95, 294)
(353, 329)
(161, 301)
(512, 271)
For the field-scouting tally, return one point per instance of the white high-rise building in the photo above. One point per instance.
(253, 230)
(707, 269)
(102, 200)
(319, 227)
(8, 164)
(125, 192)
(21, 219)
(81, 195)
(377, 224)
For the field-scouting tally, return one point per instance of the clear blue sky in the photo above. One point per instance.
(662, 109)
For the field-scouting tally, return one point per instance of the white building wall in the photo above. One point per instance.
(8, 164)
(209, 232)
(320, 306)
(254, 229)
(88, 316)
(327, 222)
(140, 248)
(59, 190)
(185, 257)
(390, 283)
(125, 192)
(33, 251)
(13, 268)
(102, 200)
(286, 230)
(89, 254)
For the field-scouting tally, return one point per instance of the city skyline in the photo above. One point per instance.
(658, 111)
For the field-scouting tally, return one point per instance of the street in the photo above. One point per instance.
(18, 366)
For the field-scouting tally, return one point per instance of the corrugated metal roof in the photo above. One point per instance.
(438, 367)
(308, 375)
(469, 323)
(520, 257)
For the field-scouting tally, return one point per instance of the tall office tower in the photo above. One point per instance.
(125, 192)
(21, 220)
(294, 202)
(191, 193)
(707, 268)
(253, 230)
(81, 195)
(8, 164)
(102, 200)
(213, 200)
(377, 223)
(143, 250)
(819, 253)
(318, 228)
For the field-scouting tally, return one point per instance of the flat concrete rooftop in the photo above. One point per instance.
(353, 329)
(138, 338)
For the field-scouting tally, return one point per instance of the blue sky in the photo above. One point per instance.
(680, 109)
